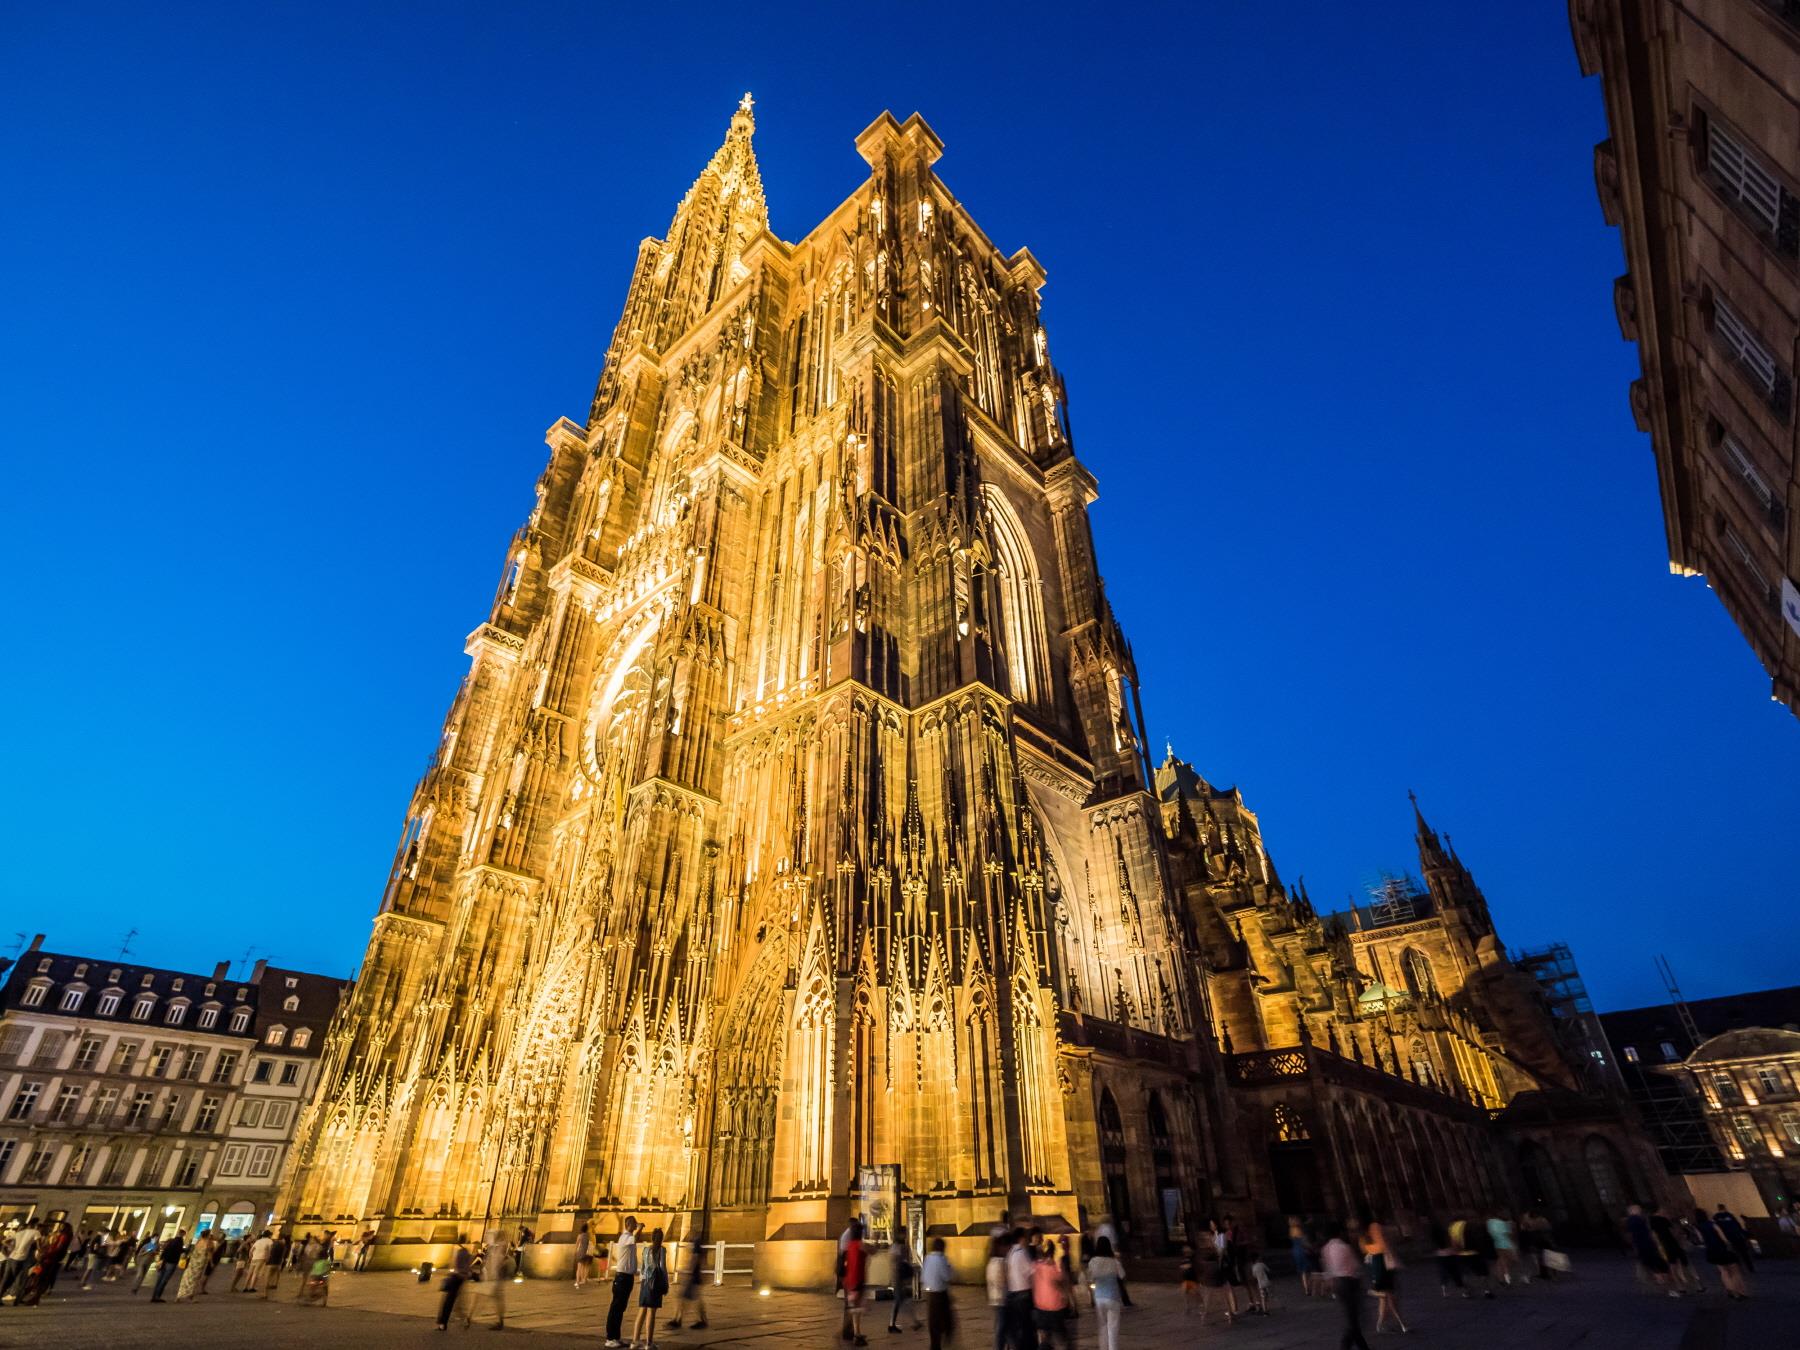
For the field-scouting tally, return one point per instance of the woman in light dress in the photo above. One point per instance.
(199, 1262)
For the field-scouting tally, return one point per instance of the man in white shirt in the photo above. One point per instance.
(259, 1262)
(1019, 1322)
(1344, 1270)
(624, 1275)
(934, 1278)
(19, 1252)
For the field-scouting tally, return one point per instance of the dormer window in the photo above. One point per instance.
(143, 1007)
(302, 1038)
(290, 1004)
(293, 982)
(210, 986)
(276, 1035)
(145, 982)
(177, 1013)
(109, 1002)
(35, 994)
(241, 993)
(112, 976)
(209, 1017)
(240, 1019)
(81, 970)
(175, 985)
(71, 998)
(44, 966)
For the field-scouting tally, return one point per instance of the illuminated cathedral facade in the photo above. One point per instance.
(794, 822)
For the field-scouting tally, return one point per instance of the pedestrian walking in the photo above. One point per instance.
(653, 1284)
(1474, 1249)
(1682, 1275)
(258, 1264)
(856, 1279)
(624, 1266)
(935, 1277)
(998, 1247)
(900, 1279)
(1215, 1283)
(1721, 1256)
(1106, 1278)
(490, 1286)
(168, 1263)
(693, 1281)
(198, 1265)
(21, 1248)
(1445, 1250)
(279, 1251)
(1050, 1305)
(1384, 1272)
(462, 1265)
(1652, 1266)
(1505, 1239)
(1727, 1223)
(53, 1251)
(142, 1260)
(584, 1254)
(1344, 1271)
(1306, 1256)
(1019, 1264)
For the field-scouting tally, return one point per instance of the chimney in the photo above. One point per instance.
(37, 943)
(256, 975)
(222, 970)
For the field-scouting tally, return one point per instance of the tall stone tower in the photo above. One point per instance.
(793, 818)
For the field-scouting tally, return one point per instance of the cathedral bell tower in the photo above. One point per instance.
(791, 833)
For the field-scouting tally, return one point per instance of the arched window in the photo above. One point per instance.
(1112, 1160)
(1607, 1174)
(1416, 971)
(1289, 1125)
(1541, 1180)
(1021, 595)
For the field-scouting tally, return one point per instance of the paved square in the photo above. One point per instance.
(1600, 1309)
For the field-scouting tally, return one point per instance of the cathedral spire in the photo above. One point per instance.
(1431, 851)
(723, 213)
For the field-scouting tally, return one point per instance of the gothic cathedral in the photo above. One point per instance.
(795, 820)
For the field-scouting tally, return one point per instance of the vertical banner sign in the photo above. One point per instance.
(879, 1186)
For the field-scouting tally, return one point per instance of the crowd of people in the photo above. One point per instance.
(1035, 1280)
(175, 1267)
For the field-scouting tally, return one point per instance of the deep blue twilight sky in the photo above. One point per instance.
(290, 294)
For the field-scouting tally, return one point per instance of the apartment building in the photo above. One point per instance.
(148, 1098)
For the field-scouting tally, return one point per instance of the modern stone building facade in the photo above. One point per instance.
(1702, 175)
(133, 1096)
(793, 833)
